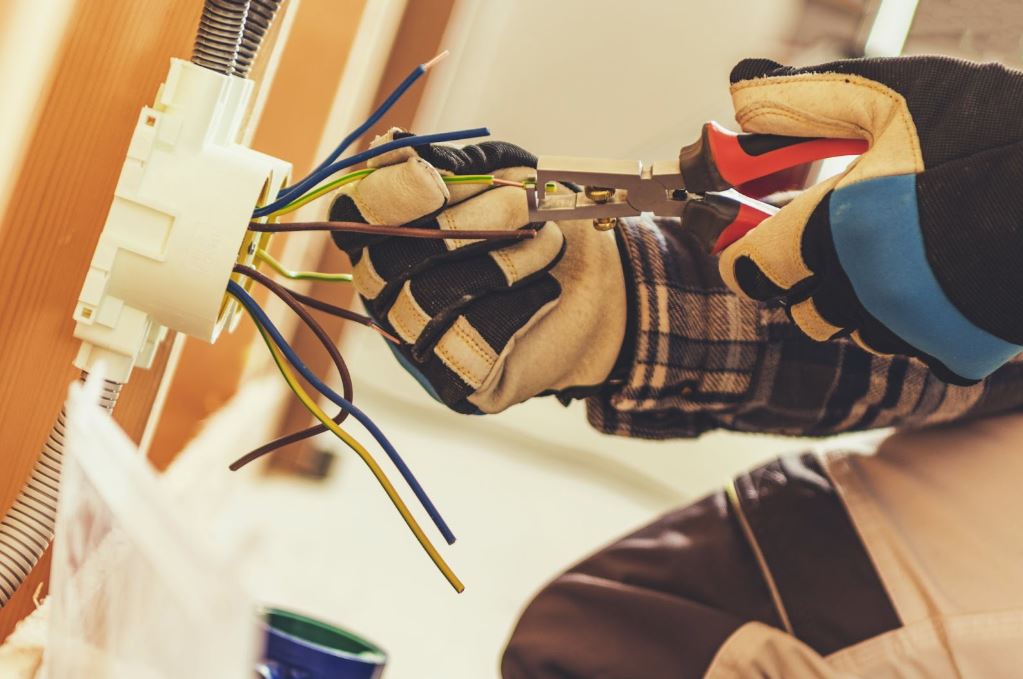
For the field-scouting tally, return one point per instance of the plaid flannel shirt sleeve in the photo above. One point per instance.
(703, 358)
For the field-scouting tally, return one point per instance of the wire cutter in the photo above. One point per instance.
(689, 188)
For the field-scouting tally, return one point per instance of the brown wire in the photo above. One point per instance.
(389, 230)
(288, 298)
(341, 312)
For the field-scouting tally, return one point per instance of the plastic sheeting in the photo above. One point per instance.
(136, 591)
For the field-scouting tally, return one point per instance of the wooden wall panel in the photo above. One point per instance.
(114, 57)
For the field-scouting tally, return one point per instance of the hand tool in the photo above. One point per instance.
(689, 188)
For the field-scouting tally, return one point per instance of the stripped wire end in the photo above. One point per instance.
(508, 182)
(549, 187)
(436, 60)
(386, 335)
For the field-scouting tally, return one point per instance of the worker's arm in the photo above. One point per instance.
(916, 249)
(638, 321)
(704, 358)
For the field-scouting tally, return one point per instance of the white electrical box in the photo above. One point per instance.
(177, 224)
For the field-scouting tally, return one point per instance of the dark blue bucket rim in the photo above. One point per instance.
(371, 654)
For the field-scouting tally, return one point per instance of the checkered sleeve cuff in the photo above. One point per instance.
(703, 358)
(695, 344)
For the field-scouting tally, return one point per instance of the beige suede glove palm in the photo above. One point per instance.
(483, 324)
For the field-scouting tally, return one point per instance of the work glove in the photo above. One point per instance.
(483, 324)
(917, 249)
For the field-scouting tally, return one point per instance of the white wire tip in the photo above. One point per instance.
(436, 60)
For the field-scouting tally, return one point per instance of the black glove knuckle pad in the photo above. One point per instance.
(449, 285)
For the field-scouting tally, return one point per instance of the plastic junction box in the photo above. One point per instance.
(177, 224)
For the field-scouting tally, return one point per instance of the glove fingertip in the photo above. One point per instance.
(748, 69)
(390, 135)
(395, 156)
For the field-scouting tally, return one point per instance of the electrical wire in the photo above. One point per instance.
(335, 355)
(374, 117)
(391, 230)
(281, 442)
(341, 312)
(343, 403)
(319, 175)
(316, 429)
(469, 179)
(278, 346)
(264, 256)
(319, 191)
(322, 190)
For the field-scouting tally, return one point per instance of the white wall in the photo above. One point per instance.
(31, 34)
(597, 77)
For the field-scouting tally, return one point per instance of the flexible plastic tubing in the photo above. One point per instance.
(321, 174)
(219, 36)
(27, 530)
(253, 308)
(257, 24)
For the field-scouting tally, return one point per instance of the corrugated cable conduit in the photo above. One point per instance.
(221, 28)
(27, 530)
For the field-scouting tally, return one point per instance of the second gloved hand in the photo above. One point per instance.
(483, 324)
(916, 249)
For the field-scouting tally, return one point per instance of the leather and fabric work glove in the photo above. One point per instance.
(483, 324)
(917, 249)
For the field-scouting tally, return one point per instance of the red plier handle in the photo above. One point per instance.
(722, 160)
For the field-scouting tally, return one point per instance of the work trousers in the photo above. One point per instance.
(902, 560)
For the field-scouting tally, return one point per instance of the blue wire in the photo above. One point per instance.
(257, 312)
(321, 174)
(391, 100)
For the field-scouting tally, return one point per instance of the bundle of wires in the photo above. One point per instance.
(316, 184)
(284, 355)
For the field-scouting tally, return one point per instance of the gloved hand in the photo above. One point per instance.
(918, 248)
(483, 324)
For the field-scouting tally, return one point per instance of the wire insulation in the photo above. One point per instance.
(319, 175)
(374, 117)
(339, 364)
(322, 190)
(391, 230)
(277, 346)
(264, 256)
(359, 174)
(341, 312)
(343, 403)
(315, 430)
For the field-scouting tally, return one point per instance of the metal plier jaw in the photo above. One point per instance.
(696, 187)
(611, 189)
